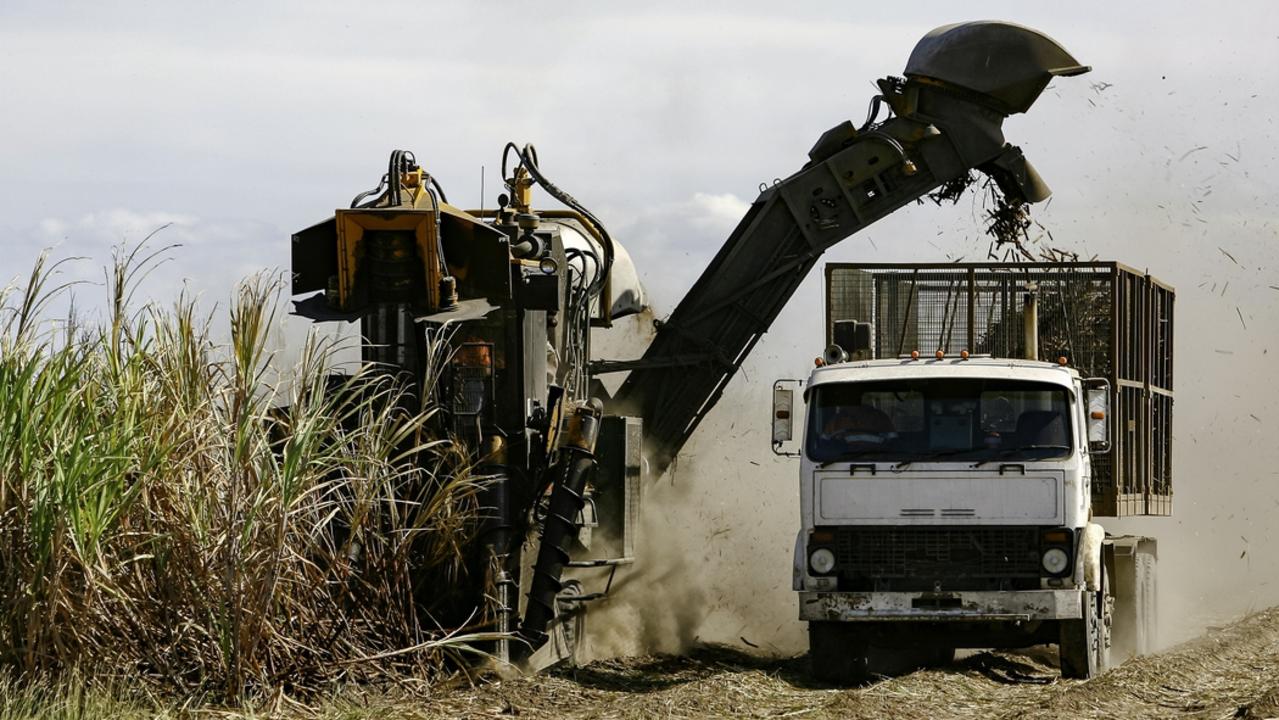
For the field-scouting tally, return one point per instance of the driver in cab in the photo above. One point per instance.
(857, 427)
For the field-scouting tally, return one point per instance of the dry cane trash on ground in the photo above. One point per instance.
(1231, 672)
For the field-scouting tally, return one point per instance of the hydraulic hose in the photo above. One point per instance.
(528, 158)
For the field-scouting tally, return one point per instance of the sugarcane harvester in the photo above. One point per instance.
(520, 288)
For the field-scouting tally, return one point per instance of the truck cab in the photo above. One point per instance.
(943, 491)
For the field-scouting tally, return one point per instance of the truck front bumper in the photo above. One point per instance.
(1021, 605)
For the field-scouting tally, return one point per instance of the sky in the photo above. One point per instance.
(238, 123)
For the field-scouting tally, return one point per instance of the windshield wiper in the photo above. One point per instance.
(845, 457)
(1006, 452)
(931, 456)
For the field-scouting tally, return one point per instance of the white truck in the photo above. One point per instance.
(950, 496)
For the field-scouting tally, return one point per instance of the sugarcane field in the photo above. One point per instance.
(572, 360)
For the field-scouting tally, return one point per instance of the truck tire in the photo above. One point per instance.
(836, 654)
(1135, 619)
(1084, 644)
(1147, 609)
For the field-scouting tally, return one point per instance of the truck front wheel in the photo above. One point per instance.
(1084, 644)
(836, 653)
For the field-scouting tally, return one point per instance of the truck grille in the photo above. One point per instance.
(955, 558)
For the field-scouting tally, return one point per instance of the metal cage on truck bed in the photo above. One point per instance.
(1107, 319)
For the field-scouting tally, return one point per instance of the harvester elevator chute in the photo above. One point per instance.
(947, 114)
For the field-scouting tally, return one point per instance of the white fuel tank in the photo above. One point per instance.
(628, 296)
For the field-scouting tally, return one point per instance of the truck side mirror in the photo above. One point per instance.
(1097, 394)
(784, 417)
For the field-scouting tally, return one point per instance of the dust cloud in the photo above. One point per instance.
(713, 557)
(653, 606)
(714, 554)
(1216, 552)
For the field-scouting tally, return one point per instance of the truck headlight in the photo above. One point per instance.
(821, 561)
(1055, 561)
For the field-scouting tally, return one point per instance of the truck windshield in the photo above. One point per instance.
(943, 419)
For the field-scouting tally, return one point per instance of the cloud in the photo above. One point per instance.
(716, 213)
(672, 243)
(205, 256)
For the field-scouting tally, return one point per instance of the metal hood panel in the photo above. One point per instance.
(955, 498)
(1006, 62)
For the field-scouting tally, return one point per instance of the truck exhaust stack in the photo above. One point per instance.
(1030, 322)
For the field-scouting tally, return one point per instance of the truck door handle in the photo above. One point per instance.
(853, 468)
(1012, 466)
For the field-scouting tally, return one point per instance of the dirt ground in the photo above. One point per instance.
(1231, 672)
